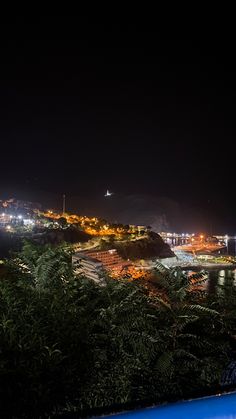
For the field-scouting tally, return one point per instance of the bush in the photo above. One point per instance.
(68, 344)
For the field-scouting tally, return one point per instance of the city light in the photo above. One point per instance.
(28, 221)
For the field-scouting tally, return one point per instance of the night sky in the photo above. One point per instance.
(86, 107)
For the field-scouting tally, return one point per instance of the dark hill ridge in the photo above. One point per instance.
(145, 248)
(57, 236)
(149, 247)
(10, 242)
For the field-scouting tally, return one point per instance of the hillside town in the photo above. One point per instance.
(127, 251)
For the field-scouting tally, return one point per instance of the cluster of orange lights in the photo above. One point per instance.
(91, 225)
(130, 272)
(201, 237)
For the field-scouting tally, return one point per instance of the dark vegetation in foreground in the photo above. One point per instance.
(68, 345)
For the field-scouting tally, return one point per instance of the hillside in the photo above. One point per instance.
(148, 247)
(8, 243)
(13, 242)
(50, 227)
(57, 236)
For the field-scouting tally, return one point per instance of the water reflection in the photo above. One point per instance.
(223, 276)
(220, 277)
(177, 241)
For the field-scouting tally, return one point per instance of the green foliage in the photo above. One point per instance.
(62, 221)
(70, 344)
(152, 245)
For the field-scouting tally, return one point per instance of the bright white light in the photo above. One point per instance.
(3, 214)
(8, 227)
(108, 193)
(20, 217)
(11, 216)
(27, 221)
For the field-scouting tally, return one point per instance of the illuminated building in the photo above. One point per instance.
(137, 228)
(88, 266)
(4, 219)
(93, 263)
(110, 259)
